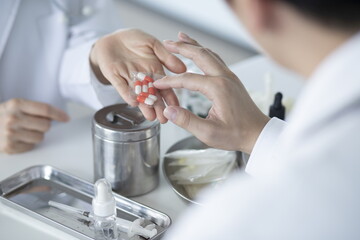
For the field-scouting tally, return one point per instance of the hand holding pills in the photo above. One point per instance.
(115, 57)
(234, 122)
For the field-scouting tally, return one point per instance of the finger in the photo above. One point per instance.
(170, 61)
(28, 136)
(170, 97)
(120, 83)
(188, 121)
(185, 38)
(201, 56)
(38, 109)
(159, 110)
(148, 112)
(34, 123)
(18, 147)
(190, 81)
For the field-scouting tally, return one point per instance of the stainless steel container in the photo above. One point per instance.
(126, 149)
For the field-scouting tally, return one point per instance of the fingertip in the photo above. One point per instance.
(163, 121)
(170, 113)
(183, 37)
(176, 65)
(63, 117)
(66, 118)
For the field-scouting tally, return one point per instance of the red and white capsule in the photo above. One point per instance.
(138, 87)
(146, 100)
(142, 77)
(152, 90)
(145, 87)
(153, 97)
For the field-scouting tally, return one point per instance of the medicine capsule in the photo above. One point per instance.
(152, 97)
(145, 88)
(142, 77)
(152, 90)
(144, 94)
(138, 87)
(146, 100)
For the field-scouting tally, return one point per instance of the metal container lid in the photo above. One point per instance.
(123, 123)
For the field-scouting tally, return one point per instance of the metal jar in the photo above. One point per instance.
(126, 149)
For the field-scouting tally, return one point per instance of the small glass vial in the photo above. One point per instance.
(104, 210)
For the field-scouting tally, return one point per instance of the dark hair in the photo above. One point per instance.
(342, 14)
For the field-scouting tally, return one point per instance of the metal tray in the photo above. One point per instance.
(189, 143)
(31, 189)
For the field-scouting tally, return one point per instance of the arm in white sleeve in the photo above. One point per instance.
(77, 80)
(260, 159)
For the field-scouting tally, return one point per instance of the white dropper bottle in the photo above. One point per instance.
(104, 210)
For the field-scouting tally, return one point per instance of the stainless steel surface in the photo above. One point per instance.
(30, 190)
(188, 143)
(126, 149)
(123, 123)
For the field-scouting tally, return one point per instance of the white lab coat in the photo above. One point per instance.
(45, 46)
(305, 177)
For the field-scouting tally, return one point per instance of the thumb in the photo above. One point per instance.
(188, 121)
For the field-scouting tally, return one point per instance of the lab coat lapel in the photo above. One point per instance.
(8, 11)
(52, 28)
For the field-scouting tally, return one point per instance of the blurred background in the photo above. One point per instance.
(211, 22)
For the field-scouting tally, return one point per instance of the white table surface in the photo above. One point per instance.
(69, 147)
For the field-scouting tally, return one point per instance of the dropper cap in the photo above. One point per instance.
(277, 109)
(104, 202)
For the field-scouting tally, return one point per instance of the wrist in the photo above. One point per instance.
(253, 133)
(94, 65)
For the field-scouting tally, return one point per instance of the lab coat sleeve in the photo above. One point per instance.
(77, 80)
(264, 148)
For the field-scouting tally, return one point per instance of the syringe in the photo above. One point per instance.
(131, 228)
(69, 209)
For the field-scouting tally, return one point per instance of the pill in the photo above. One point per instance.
(143, 77)
(146, 100)
(150, 84)
(151, 96)
(145, 88)
(138, 87)
(152, 90)
(149, 79)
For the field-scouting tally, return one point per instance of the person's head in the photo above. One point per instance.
(299, 33)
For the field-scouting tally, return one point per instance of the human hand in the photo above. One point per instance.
(234, 122)
(117, 56)
(23, 124)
